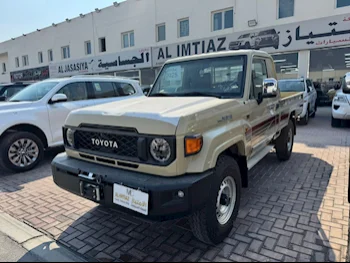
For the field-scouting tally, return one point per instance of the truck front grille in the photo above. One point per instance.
(113, 145)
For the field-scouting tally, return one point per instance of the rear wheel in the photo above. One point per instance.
(336, 123)
(214, 222)
(285, 142)
(20, 151)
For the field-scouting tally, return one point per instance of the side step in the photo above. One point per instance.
(259, 156)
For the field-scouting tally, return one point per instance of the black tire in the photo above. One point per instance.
(336, 123)
(247, 46)
(282, 150)
(204, 223)
(305, 120)
(5, 145)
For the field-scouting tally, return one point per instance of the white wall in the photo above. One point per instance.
(142, 16)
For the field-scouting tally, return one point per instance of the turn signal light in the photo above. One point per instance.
(193, 145)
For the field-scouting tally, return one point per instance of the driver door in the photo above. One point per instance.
(78, 97)
(263, 116)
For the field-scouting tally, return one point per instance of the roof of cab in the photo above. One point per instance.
(219, 54)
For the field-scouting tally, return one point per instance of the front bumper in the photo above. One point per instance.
(164, 201)
(341, 111)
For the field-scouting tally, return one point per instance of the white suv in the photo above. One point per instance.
(341, 103)
(32, 120)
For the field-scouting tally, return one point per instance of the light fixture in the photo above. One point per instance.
(252, 23)
(97, 10)
(116, 4)
(68, 20)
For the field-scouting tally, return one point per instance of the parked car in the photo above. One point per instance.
(32, 120)
(267, 38)
(185, 151)
(341, 103)
(10, 89)
(246, 41)
(308, 107)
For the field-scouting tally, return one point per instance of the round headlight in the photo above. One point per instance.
(70, 137)
(160, 150)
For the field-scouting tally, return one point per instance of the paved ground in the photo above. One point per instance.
(10, 251)
(292, 211)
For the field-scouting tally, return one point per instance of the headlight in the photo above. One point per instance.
(70, 137)
(160, 150)
(341, 99)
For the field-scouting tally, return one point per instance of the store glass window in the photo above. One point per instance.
(286, 65)
(328, 66)
(88, 50)
(40, 57)
(285, 8)
(65, 52)
(128, 39)
(17, 62)
(50, 55)
(3, 68)
(25, 61)
(184, 27)
(102, 43)
(342, 3)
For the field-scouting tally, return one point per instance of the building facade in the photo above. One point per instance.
(308, 38)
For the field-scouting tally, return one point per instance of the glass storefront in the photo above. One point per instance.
(286, 65)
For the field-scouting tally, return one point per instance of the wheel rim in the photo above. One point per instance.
(290, 140)
(23, 152)
(226, 200)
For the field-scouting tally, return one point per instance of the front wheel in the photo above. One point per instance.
(305, 120)
(285, 142)
(214, 222)
(20, 151)
(336, 123)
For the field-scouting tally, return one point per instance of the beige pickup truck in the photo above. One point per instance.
(186, 149)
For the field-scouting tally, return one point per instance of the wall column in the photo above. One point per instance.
(304, 64)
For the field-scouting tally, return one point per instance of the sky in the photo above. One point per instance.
(19, 17)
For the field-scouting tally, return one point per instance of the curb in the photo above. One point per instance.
(36, 243)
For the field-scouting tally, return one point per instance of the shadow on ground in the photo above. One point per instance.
(278, 221)
(11, 182)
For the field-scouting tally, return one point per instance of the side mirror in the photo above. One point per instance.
(347, 81)
(59, 98)
(270, 88)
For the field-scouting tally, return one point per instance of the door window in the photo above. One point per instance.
(125, 89)
(259, 74)
(75, 91)
(103, 90)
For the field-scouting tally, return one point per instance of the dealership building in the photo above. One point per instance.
(307, 38)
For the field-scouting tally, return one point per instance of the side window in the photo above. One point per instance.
(259, 74)
(125, 89)
(309, 86)
(75, 91)
(103, 90)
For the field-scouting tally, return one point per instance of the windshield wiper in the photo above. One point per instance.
(199, 94)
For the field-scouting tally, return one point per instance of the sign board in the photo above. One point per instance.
(305, 35)
(34, 74)
(133, 59)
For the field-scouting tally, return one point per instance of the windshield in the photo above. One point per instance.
(244, 36)
(291, 86)
(34, 92)
(218, 77)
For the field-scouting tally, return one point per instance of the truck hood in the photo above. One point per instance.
(14, 106)
(149, 115)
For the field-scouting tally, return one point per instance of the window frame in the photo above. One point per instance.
(179, 27)
(3, 66)
(100, 45)
(62, 52)
(17, 62)
(25, 61)
(86, 47)
(157, 32)
(40, 57)
(222, 12)
(50, 55)
(278, 10)
(128, 33)
(336, 5)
